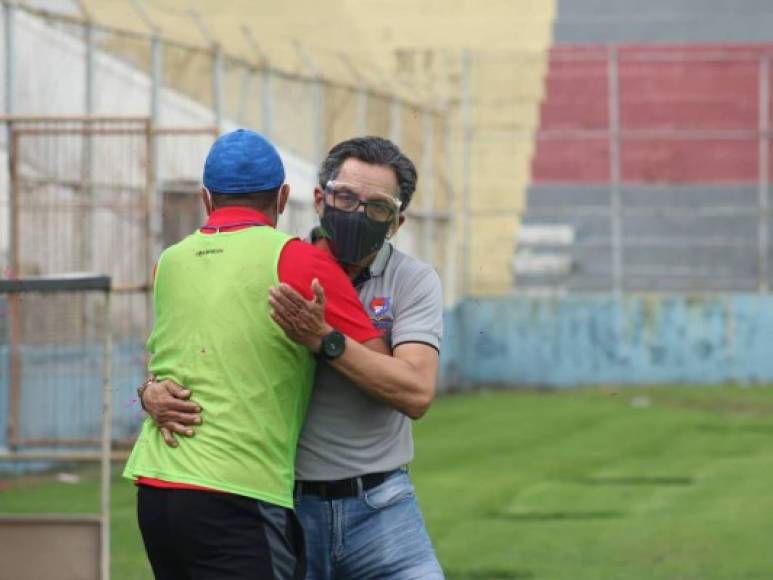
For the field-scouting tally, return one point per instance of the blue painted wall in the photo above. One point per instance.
(572, 341)
(61, 390)
(559, 342)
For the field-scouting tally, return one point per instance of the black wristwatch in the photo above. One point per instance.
(333, 345)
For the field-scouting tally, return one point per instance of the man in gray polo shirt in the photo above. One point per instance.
(354, 497)
(347, 430)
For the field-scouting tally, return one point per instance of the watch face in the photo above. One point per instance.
(333, 345)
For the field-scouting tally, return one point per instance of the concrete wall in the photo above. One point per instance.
(572, 341)
(689, 205)
(559, 342)
(601, 21)
(508, 43)
(124, 89)
(695, 238)
(121, 89)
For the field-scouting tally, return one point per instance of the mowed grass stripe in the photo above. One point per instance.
(669, 490)
(580, 484)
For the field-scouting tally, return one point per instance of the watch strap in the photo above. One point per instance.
(330, 349)
(141, 391)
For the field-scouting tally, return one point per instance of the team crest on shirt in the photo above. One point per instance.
(380, 306)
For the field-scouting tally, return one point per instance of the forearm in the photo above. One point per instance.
(397, 382)
(404, 379)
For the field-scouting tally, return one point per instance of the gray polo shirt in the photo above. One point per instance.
(348, 432)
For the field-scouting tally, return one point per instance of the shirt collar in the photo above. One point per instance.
(379, 264)
(236, 215)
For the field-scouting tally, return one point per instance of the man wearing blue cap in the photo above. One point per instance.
(354, 496)
(219, 505)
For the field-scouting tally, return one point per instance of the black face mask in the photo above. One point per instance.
(353, 235)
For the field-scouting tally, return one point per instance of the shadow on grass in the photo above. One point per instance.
(634, 480)
(725, 429)
(720, 405)
(558, 516)
(488, 574)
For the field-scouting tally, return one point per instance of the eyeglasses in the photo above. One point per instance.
(379, 210)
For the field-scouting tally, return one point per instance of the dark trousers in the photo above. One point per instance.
(201, 535)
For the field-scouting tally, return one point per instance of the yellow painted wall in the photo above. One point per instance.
(409, 47)
(276, 28)
(508, 42)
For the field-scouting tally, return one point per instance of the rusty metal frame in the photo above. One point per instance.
(68, 443)
(204, 130)
(151, 146)
(38, 285)
(72, 119)
(93, 284)
(14, 308)
(78, 131)
(18, 127)
(14, 383)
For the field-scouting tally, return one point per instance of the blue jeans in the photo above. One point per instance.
(379, 535)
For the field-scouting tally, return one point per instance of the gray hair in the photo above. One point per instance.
(376, 151)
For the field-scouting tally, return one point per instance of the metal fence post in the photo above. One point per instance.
(9, 92)
(153, 220)
(244, 96)
(153, 195)
(613, 96)
(428, 190)
(14, 308)
(156, 66)
(395, 120)
(764, 172)
(217, 66)
(217, 86)
(467, 135)
(107, 439)
(154, 148)
(85, 233)
(452, 241)
(9, 17)
(318, 104)
(318, 139)
(156, 77)
(90, 78)
(266, 103)
(362, 111)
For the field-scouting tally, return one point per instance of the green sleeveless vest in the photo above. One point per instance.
(213, 334)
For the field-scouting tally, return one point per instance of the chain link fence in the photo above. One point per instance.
(650, 172)
(95, 68)
(91, 194)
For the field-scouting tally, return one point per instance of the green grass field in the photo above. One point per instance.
(666, 483)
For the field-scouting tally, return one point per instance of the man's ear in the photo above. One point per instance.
(284, 195)
(206, 199)
(319, 200)
(396, 225)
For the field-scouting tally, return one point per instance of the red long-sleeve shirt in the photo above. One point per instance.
(299, 263)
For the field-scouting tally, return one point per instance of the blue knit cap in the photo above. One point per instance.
(243, 162)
